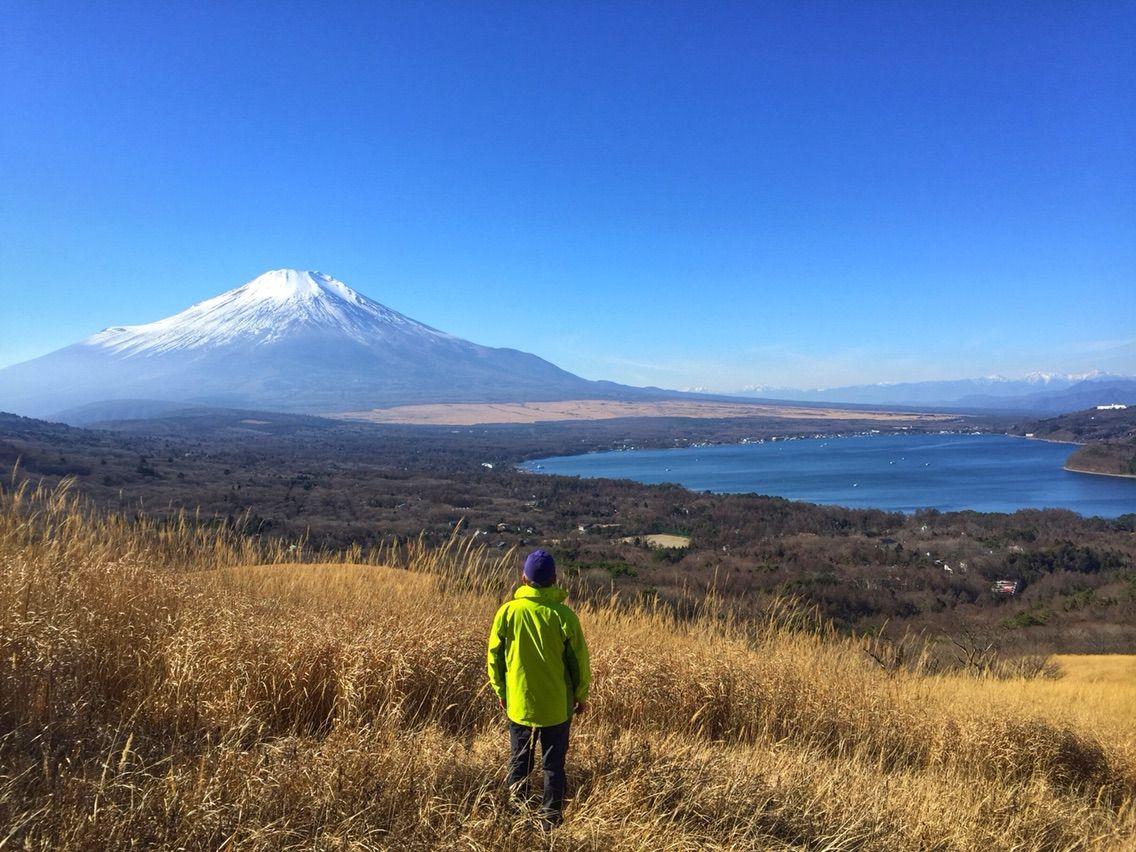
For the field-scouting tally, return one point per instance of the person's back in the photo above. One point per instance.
(539, 669)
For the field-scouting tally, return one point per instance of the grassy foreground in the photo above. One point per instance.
(174, 687)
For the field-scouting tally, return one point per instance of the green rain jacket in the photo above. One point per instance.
(538, 662)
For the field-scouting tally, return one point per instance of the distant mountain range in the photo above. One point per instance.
(1041, 392)
(291, 341)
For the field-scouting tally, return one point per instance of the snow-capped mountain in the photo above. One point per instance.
(1036, 391)
(266, 310)
(288, 340)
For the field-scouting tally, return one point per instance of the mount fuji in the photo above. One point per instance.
(292, 341)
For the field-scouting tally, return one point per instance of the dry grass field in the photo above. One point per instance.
(1095, 693)
(177, 687)
(478, 414)
(664, 540)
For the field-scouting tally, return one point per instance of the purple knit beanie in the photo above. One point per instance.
(540, 568)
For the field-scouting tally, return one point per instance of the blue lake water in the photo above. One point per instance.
(988, 473)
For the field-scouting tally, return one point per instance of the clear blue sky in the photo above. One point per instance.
(683, 194)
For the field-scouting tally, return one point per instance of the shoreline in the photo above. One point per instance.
(1047, 440)
(532, 467)
(1099, 473)
(745, 442)
(1076, 469)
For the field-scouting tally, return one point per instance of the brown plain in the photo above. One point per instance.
(479, 414)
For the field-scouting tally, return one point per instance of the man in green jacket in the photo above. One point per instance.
(538, 666)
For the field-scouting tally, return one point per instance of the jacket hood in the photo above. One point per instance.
(545, 594)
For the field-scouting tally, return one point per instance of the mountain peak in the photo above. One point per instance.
(283, 284)
(273, 306)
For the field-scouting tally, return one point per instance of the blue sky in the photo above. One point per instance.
(682, 194)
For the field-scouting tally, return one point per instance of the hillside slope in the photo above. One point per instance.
(160, 691)
(1107, 436)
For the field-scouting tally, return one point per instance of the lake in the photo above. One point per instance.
(988, 473)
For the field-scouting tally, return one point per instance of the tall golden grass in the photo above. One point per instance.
(174, 685)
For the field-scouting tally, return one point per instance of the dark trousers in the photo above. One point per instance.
(553, 749)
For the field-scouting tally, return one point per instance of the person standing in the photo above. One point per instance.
(540, 672)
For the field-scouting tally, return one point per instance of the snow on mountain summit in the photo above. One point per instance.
(278, 303)
(283, 284)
